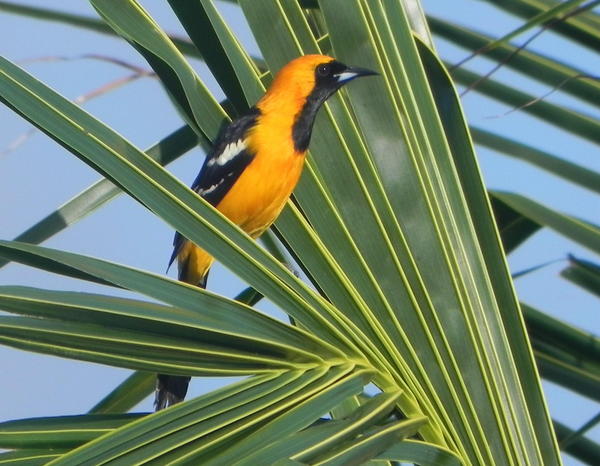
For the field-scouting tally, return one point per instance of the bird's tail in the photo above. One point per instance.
(170, 389)
(194, 264)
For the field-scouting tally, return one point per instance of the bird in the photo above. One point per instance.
(253, 167)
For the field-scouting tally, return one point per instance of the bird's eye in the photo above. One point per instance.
(324, 70)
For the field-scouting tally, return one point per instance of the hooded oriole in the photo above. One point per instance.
(255, 164)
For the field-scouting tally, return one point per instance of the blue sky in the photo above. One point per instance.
(39, 176)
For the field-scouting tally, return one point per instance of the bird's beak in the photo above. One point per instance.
(352, 72)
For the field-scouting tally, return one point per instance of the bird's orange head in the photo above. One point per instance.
(300, 88)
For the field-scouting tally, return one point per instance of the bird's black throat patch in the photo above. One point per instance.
(326, 83)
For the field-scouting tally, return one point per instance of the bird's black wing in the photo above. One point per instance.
(222, 166)
(228, 159)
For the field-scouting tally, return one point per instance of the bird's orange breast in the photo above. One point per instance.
(262, 190)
